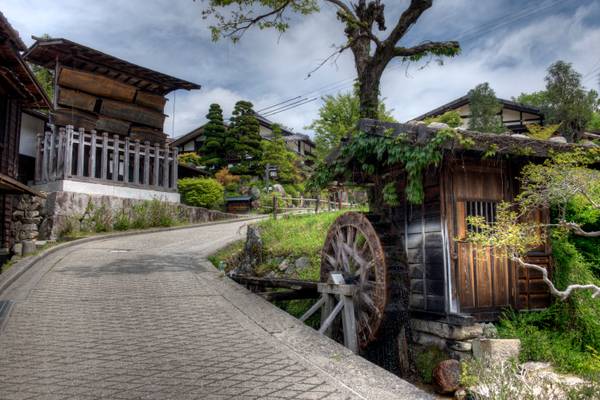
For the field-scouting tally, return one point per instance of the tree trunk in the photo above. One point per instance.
(369, 94)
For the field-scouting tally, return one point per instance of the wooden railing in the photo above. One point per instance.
(64, 153)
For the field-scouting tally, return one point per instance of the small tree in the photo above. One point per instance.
(243, 139)
(338, 118)
(558, 182)
(276, 154)
(485, 109)
(213, 148)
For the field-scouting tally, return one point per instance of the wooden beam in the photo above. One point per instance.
(275, 282)
(76, 99)
(112, 125)
(133, 113)
(150, 100)
(96, 84)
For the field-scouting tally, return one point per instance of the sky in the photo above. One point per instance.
(508, 43)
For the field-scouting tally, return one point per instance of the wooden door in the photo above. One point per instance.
(482, 280)
(483, 277)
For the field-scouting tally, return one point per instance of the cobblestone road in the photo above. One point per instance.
(146, 317)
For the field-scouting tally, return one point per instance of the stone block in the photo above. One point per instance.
(447, 331)
(28, 235)
(18, 249)
(458, 345)
(496, 350)
(18, 214)
(28, 247)
(29, 227)
(31, 214)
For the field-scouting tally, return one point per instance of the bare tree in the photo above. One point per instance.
(362, 20)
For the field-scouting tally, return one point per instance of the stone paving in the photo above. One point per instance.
(146, 317)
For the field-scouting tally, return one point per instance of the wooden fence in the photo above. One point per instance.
(65, 153)
(303, 204)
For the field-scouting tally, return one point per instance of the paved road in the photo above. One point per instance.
(147, 317)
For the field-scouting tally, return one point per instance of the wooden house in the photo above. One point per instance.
(19, 91)
(108, 118)
(514, 116)
(417, 267)
(238, 204)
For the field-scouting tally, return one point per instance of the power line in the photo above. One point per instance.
(480, 30)
(289, 108)
(278, 104)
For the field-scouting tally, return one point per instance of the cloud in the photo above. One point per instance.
(267, 68)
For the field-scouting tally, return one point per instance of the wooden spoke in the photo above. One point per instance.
(353, 247)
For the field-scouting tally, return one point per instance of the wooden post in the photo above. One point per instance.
(274, 206)
(45, 157)
(126, 162)
(136, 163)
(147, 163)
(166, 167)
(38, 157)
(69, 153)
(318, 202)
(349, 324)
(327, 309)
(115, 175)
(80, 152)
(92, 160)
(60, 154)
(104, 161)
(339, 194)
(156, 163)
(174, 169)
(52, 156)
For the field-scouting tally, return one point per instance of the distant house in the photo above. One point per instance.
(20, 94)
(299, 143)
(514, 116)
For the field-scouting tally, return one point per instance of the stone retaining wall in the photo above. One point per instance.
(28, 215)
(457, 341)
(62, 207)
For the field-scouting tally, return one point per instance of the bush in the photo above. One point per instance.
(225, 178)
(450, 118)
(189, 158)
(201, 192)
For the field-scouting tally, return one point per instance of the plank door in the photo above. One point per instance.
(483, 277)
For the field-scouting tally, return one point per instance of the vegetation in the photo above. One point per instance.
(426, 360)
(451, 118)
(567, 333)
(565, 101)
(485, 109)
(201, 192)
(243, 139)
(142, 215)
(542, 132)
(276, 154)
(363, 23)
(189, 158)
(213, 148)
(372, 154)
(338, 119)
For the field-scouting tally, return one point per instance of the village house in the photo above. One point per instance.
(299, 143)
(514, 116)
(107, 125)
(20, 96)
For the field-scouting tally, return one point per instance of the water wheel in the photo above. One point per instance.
(364, 250)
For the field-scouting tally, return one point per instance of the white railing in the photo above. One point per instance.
(66, 153)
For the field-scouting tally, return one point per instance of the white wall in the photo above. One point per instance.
(30, 127)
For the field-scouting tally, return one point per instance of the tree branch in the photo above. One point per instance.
(437, 48)
(406, 20)
(562, 294)
(249, 22)
(577, 230)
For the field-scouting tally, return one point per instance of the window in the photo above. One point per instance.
(485, 209)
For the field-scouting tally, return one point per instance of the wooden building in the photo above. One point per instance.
(238, 204)
(19, 91)
(414, 273)
(107, 136)
(299, 143)
(94, 90)
(515, 116)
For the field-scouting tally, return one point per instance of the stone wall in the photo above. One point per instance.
(62, 208)
(29, 213)
(457, 341)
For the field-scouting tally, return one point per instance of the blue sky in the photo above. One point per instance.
(508, 43)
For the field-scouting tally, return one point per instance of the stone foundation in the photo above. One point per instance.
(456, 340)
(65, 208)
(29, 213)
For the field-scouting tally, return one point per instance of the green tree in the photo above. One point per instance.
(213, 148)
(363, 22)
(43, 75)
(243, 139)
(565, 101)
(338, 118)
(485, 109)
(275, 153)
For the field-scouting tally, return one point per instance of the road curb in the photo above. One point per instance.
(22, 266)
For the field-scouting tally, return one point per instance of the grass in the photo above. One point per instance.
(567, 334)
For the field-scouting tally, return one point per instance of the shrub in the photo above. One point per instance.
(426, 361)
(225, 178)
(122, 221)
(160, 213)
(201, 192)
(450, 118)
(189, 158)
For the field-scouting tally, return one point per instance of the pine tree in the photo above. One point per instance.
(213, 148)
(276, 154)
(243, 140)
(485, 109)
